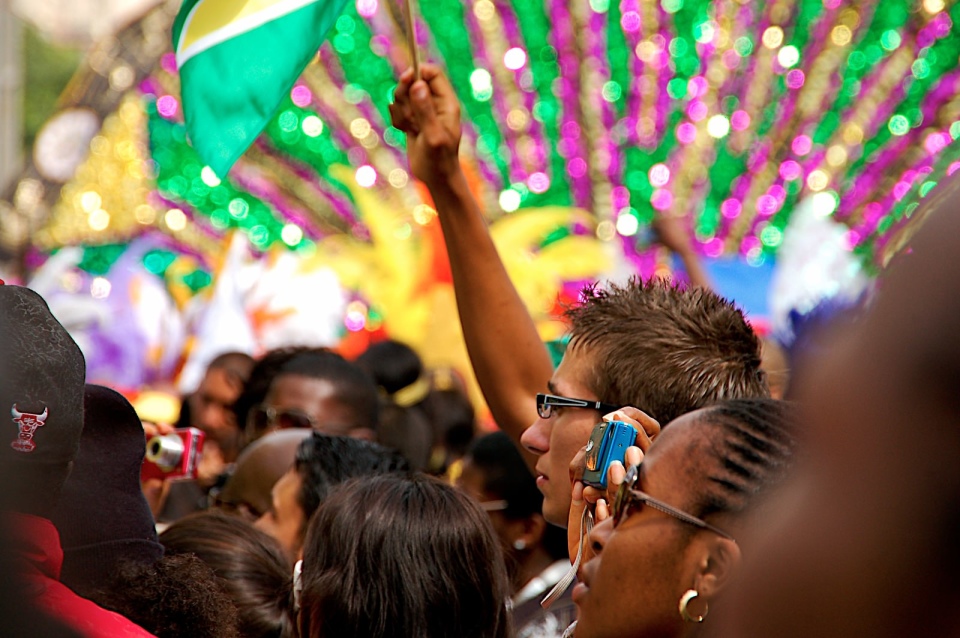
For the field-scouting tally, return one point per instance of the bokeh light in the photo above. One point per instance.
(291, 234)
(509, 200)
(659, 175)
(515, 58)
(366, 176)
(367, 8)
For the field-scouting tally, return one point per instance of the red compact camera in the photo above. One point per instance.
(173, 456)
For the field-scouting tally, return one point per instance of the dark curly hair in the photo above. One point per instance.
(249, 564)
(176, 597)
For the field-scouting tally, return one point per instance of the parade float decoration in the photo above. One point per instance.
(583, 122)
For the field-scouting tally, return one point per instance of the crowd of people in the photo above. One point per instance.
(312, 496)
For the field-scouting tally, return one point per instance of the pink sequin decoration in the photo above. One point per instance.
(620, 197)
(851, 239)
(367, 8)
(802, 144)
(167, 106)
(731, 208)
(354, 321)
(168, 62)
(872, 212)
(697, 86)
(790, 170)
(301, 96)
(539, 182)
(900, 189)
(577, 167)
(767, 204)
(662, 199)
(740, 120)
(697, 110)
(778, 193)
(686, 133)
(630, 21)
(795, 79)
(713, 248)
(570, 129)
(936, 142)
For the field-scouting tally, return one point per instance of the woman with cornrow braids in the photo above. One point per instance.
(666, 546)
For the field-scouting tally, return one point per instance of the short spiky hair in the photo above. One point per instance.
(665, 349)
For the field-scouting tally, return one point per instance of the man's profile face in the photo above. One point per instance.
(211, 406)
(557, 439)
(285, 520)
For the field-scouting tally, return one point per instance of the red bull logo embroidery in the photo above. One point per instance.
(28, 424)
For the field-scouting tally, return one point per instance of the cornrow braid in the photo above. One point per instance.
(750, 451)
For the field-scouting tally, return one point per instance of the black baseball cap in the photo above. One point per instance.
(42, 373)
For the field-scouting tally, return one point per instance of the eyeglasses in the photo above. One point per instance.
(266, 416)
(546, 403)
(627, 496)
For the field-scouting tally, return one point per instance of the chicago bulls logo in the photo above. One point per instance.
(28, 424)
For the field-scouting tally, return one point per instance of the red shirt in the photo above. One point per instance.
(39, 547)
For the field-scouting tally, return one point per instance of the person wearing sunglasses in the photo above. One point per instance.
(317, 389)
(669, 536)
(690, 346)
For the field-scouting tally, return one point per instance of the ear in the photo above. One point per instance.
(527, 531)
(719, 561)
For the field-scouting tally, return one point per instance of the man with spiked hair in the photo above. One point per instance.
(653, 345)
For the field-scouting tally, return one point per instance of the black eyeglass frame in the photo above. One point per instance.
(547, 401)
(627, 495)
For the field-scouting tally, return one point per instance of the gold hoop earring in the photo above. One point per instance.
(690, 595)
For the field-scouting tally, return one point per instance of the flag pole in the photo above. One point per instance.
(411, 10)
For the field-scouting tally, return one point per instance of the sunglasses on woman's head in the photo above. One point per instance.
(266, 417)
(627, 497)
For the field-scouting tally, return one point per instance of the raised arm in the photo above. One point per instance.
(673, 233)
(510, 361)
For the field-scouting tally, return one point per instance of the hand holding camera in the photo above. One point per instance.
(608, 444)
(616, 443)
(173, 455)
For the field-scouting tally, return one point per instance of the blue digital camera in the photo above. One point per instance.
(608, 443)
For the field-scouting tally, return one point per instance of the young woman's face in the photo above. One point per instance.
(634, 586)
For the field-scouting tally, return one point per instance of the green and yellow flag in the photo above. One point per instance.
(237, 59)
